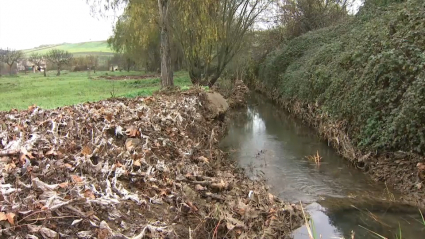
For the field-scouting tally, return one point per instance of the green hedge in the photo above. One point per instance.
(369, 71)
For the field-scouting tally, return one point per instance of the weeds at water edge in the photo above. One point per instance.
(311, 229)
(315, 158)
(399, 234)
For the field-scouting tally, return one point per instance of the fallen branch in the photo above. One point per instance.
(9, 152)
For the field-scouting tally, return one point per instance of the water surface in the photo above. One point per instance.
(269, 143)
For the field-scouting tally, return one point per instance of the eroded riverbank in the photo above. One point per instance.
(269, 143)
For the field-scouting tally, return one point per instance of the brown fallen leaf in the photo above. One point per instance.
(137, 163)
(76, 179)
(271, 198)
(3, 216)
(32, 107)
(89, 194)
(199, 187)
(86, 150)
(219, 186)
(109, 117)
(118, 165)
(63, 185)
(132, 132)
(149, 100)
(132, 143)
(68, 166)
(9, 166)
(203, 159)
(193, 207)
(51, 152)
(11, 218)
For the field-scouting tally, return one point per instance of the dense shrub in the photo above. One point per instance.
(369, 72)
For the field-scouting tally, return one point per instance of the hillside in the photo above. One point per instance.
(83, 48)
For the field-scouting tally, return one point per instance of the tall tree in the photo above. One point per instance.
(59, 58)
(10, 57)
(163, 9)
(211, 32)
(301, 16)
(166, 67)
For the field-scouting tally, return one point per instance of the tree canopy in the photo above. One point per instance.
(59, 58)
(10, 57)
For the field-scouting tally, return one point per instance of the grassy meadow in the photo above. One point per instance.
(21, 91)
(83, 47)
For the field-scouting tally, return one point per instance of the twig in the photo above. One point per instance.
(216, 228)
(46, 218)
(9, 152)
(32, 214)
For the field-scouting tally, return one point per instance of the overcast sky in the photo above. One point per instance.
(30, 23)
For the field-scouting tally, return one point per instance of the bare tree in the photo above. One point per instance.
(10, 57)
(59, 58)
(92, 62)
(36, 58)
(25, 65)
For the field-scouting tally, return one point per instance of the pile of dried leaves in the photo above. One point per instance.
(128, 168)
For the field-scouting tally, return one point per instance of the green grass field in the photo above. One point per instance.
(96, 47)
(21, 91)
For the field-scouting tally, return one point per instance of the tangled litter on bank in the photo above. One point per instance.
(129, 168)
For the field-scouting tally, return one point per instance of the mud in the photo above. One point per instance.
(401, 171)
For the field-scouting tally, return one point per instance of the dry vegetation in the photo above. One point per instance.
(129, 168)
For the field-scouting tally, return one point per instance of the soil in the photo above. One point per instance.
(128, 77)
(402, 171)
(130, 168)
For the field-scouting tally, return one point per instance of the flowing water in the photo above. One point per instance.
(270, 144)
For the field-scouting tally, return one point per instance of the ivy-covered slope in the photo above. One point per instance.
(368, 72)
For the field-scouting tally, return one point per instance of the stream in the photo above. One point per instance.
(269, 143)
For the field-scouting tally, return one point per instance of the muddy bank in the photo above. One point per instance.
(402, 171)
(130, 168)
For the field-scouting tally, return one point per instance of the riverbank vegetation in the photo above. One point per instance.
(367, 71)
(360, 82)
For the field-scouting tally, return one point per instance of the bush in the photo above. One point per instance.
(368, 71)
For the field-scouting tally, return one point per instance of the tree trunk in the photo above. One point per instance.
(94, 69)
(166, 66)
(45, 69)
(59, 71)
(212, 81)
(10, 69)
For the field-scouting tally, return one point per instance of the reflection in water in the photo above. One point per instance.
(268, 142)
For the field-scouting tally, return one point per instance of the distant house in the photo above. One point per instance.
(21, 65)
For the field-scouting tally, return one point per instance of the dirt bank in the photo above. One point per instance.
(403, 171)
(129, 168)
